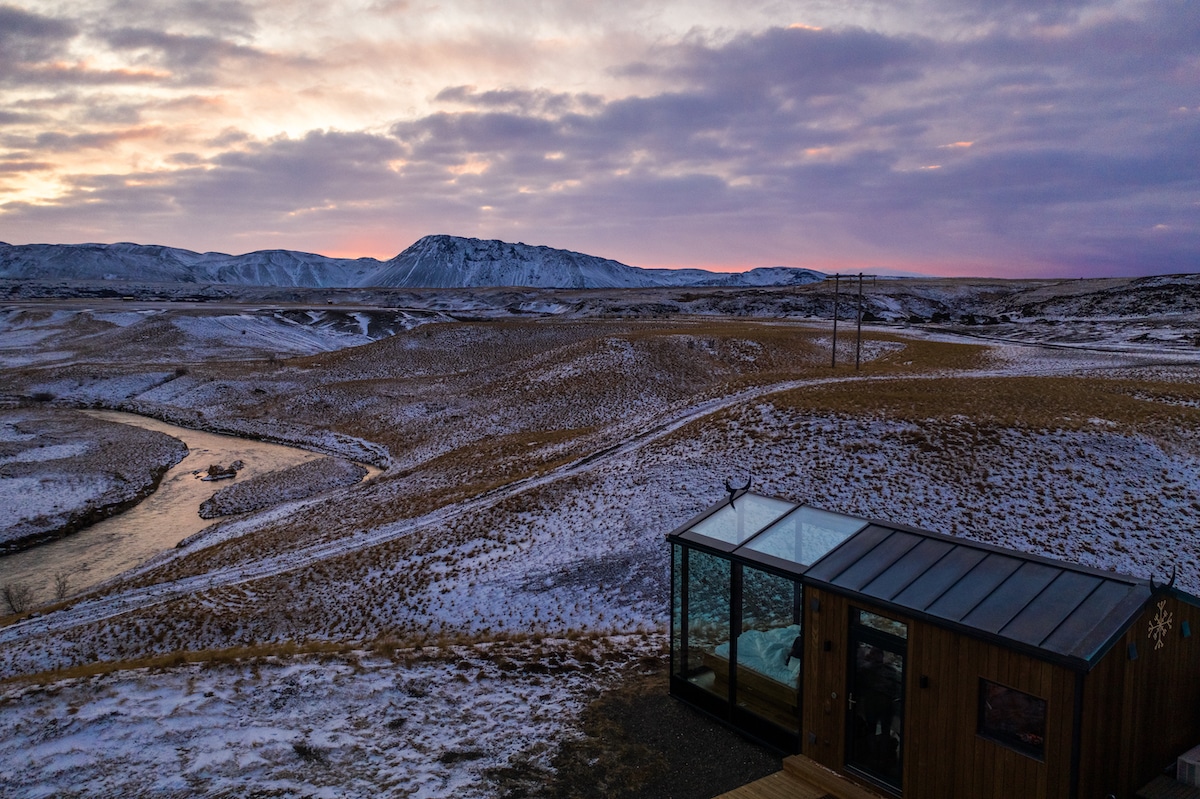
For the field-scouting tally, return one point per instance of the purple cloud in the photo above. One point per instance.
(1040, 135)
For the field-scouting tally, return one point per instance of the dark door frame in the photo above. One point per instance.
(856, 634)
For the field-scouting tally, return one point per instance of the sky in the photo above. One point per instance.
(1011, 138)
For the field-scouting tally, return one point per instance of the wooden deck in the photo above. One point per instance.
(801, 778)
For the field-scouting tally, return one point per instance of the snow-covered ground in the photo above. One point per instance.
(534, 466)
(357, 724)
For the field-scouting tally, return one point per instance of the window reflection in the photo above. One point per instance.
(883, 624)
(708, 587)
(805, 535)
(1013, 718)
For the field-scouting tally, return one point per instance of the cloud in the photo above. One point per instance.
(55, 142)
(27, 39)
(20, 165)
(536, 101)
(738, 146)
(218, 18)
(189, 58)
(34, 51)
(802, 62)
(27, 36)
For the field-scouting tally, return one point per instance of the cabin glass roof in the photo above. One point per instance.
(735, 523)
(805, 535)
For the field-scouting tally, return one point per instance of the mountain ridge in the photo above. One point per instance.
(436, 261)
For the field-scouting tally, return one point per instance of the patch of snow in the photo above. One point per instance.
(355, 725)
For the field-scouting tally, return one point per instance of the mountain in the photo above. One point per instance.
(432, 262)
(156, 264)
(450, 261)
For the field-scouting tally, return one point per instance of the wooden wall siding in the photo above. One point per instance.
(945, 754)
(1140, 715)
(1137, 716)
(824, 715)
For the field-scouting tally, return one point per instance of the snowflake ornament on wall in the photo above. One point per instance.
(1160, 624)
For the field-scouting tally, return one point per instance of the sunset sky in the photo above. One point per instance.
(971, 137)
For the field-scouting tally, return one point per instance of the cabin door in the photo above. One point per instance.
(875, 701)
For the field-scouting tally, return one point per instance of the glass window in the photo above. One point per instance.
(1013, 718)
(734, 524)
(707, 622)
(769, 648)
(806, 535)
(882, 623)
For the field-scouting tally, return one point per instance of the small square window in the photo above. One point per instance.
(1012, 718)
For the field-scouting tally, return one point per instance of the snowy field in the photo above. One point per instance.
(356, 724)
(460, 609)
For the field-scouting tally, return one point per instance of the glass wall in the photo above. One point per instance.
(751, 679)
(770, 648)
(705, 621)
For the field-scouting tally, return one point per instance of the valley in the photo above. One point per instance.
(441, 628)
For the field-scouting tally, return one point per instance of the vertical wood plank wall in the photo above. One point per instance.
(943, 753)
(1140, 715)
(824, 713)
(1137, 716)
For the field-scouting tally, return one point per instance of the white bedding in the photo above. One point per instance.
(767, 653)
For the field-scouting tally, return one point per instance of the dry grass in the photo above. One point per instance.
(1050, 403)
(515, 417)
(236, 654)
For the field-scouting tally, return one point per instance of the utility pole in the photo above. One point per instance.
(858, 339)
(833, 357)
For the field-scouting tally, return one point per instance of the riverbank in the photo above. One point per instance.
(165, 517)
(62, 471)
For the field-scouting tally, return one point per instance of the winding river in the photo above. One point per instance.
(159, 522)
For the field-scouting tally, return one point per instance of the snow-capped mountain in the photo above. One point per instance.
(150, 263)
(450, 262)
(432, 262)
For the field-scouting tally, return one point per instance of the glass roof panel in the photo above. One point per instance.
(805, 536)
(734, 524)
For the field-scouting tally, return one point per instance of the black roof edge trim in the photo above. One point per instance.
(1123, 628)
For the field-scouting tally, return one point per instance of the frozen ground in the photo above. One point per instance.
(355, 724)
(533, 467)
(284, 485)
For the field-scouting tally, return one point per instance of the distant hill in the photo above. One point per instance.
(432, 262)
(150, 263)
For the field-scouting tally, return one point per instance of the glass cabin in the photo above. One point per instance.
(737, 603)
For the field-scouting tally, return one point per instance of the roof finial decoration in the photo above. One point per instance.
(734, 492)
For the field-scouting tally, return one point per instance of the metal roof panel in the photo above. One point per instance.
(1011, 597)
(939, 578)
(1065, 638)
(829, 567)
(1047, 610)
(910, 568)
(962, 597)
(877, 560)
